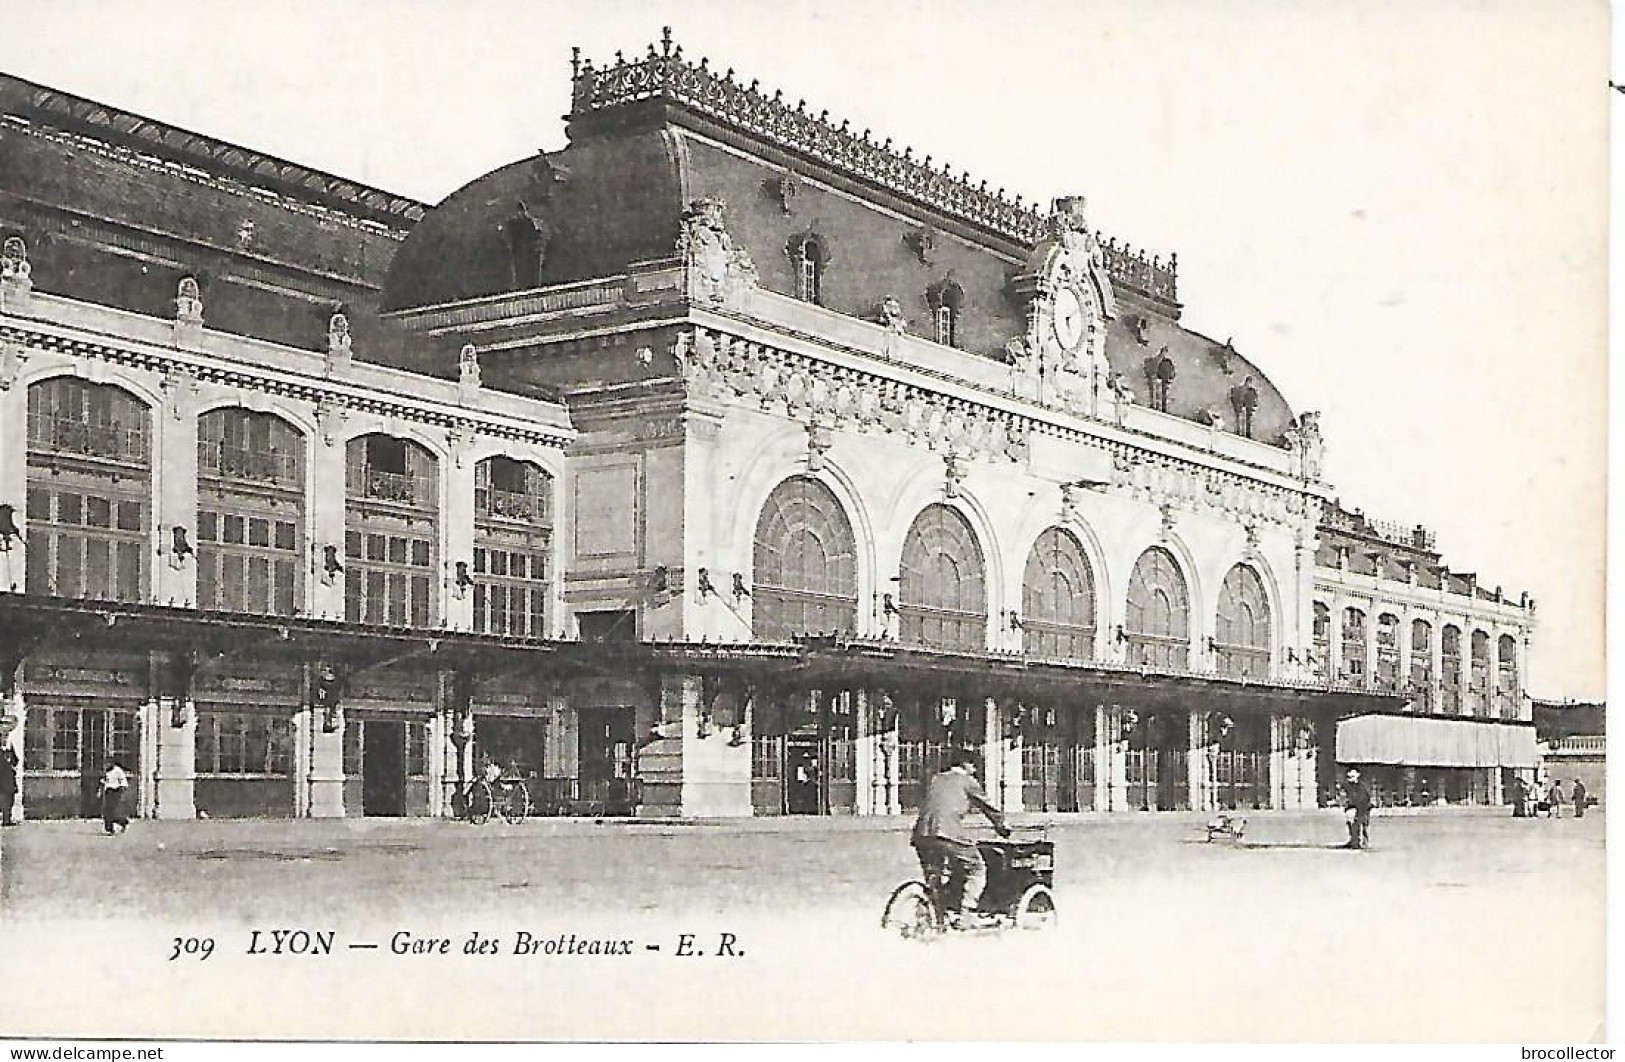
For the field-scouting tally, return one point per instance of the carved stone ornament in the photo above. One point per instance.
(1166, 530)
(468, 367)
(891, 315)
(330, 417)
(720, 367)
(954, 471)
(1302, 438)
(188, 301)
(16, 275)
(12, 357)
(708, 252)
(923, 242)
(819, 440)
(783, 189)
(338, 343)
(180, 387)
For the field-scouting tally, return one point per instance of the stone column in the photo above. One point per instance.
(435, 745)
(1334, 637)
(324, 593)
(176, 767)
(865, 754)
(457, 539)
(302, 739)
(1436, 673)
(1279, 738)
(1465, 670)
(174, 477)
(1403, 668)
(1116, 773)
(716, 773)
(326, 778)
(1003, 757)
(1103, 759)
(13, 464)
(1200, 761)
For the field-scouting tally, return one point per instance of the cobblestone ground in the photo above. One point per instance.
(1456, 926)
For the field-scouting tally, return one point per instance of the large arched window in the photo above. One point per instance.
(1058, 599)
(1353, 646)
(250, 512)
(1242, 640)
(1421, 664)
(1387, 651)
(1478, 690)
(1158, 621)
(808, 256)
(89, 491)
(513, 541)
(804, 576)
(943, 596)
(1322, 649)
(1450, 669)
(391, 532)
(1507, 694)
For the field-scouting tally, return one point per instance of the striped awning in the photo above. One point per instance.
(1432, 741)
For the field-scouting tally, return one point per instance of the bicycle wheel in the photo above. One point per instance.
(517, 806)
(1036, 908)
(909, 913)
(480, 803)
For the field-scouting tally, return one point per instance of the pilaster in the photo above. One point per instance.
(457, 540)
(1200, 762)
(175, 742)
(324, 588)
(13, 465)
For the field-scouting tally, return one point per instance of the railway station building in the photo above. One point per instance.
(725, 462)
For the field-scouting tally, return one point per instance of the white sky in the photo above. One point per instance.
(1396, 210)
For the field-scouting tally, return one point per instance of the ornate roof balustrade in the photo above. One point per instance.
(663, 73)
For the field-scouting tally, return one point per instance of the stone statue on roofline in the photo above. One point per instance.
(714, 264)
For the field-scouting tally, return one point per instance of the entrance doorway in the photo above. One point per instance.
(607, 747)
(383, 767)
(104, 736)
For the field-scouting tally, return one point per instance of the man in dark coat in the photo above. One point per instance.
(940, 838)
(1580, 799)
(1357, 808)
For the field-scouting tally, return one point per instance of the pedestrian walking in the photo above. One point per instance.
(1554, 800)
(1357, 809)
(1581, 797)
(1520, 798)
(8, 783)
(113, 786)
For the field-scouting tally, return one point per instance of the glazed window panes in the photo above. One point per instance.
(1241, 641)
(1058, 599)
(243, 743)
(1450, 674)
(67, 556)
(946, 321)
(1421, 663)
(804, 568)
(1507, 692)
(943, 591)
(1323, 640)
(1387, 673)
(510, 591)
(810, 272)
(1157, 622)
(1479, 681)
(70, 417)
(1354, 642)
(82, 739)
(251, 513)
(391, 530)
(509, 491)
(417, 749)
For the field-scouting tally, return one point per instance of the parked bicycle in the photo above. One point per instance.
(507, 799)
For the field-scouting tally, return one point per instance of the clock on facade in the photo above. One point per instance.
(1067, 318)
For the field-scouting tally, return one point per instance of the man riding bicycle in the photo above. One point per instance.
(940, 838)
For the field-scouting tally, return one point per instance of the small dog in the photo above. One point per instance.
(1232, 826)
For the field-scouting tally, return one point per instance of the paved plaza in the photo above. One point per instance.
(1457, 926)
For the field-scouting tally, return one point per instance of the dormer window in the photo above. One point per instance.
(809, 261)
(946, 300)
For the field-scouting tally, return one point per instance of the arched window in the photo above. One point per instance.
(804, 576)
(1242, 641)
(1158, 622)
(1450, 666)
(1507, 694)
(943, 596)
(1058, 599)
(1478, 690)
(250, 512)
(809, 258)
(89, 491)
(1353, 647)
(1421, 663)
(513, 542)
(1387, 651)
(1322, 650)
(391, 532)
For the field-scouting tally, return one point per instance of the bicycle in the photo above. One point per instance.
(1019, 892)
(507, 799)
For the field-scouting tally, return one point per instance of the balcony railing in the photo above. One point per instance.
(512, 505)
(247, 464)
(108, 442)
(401, 487)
